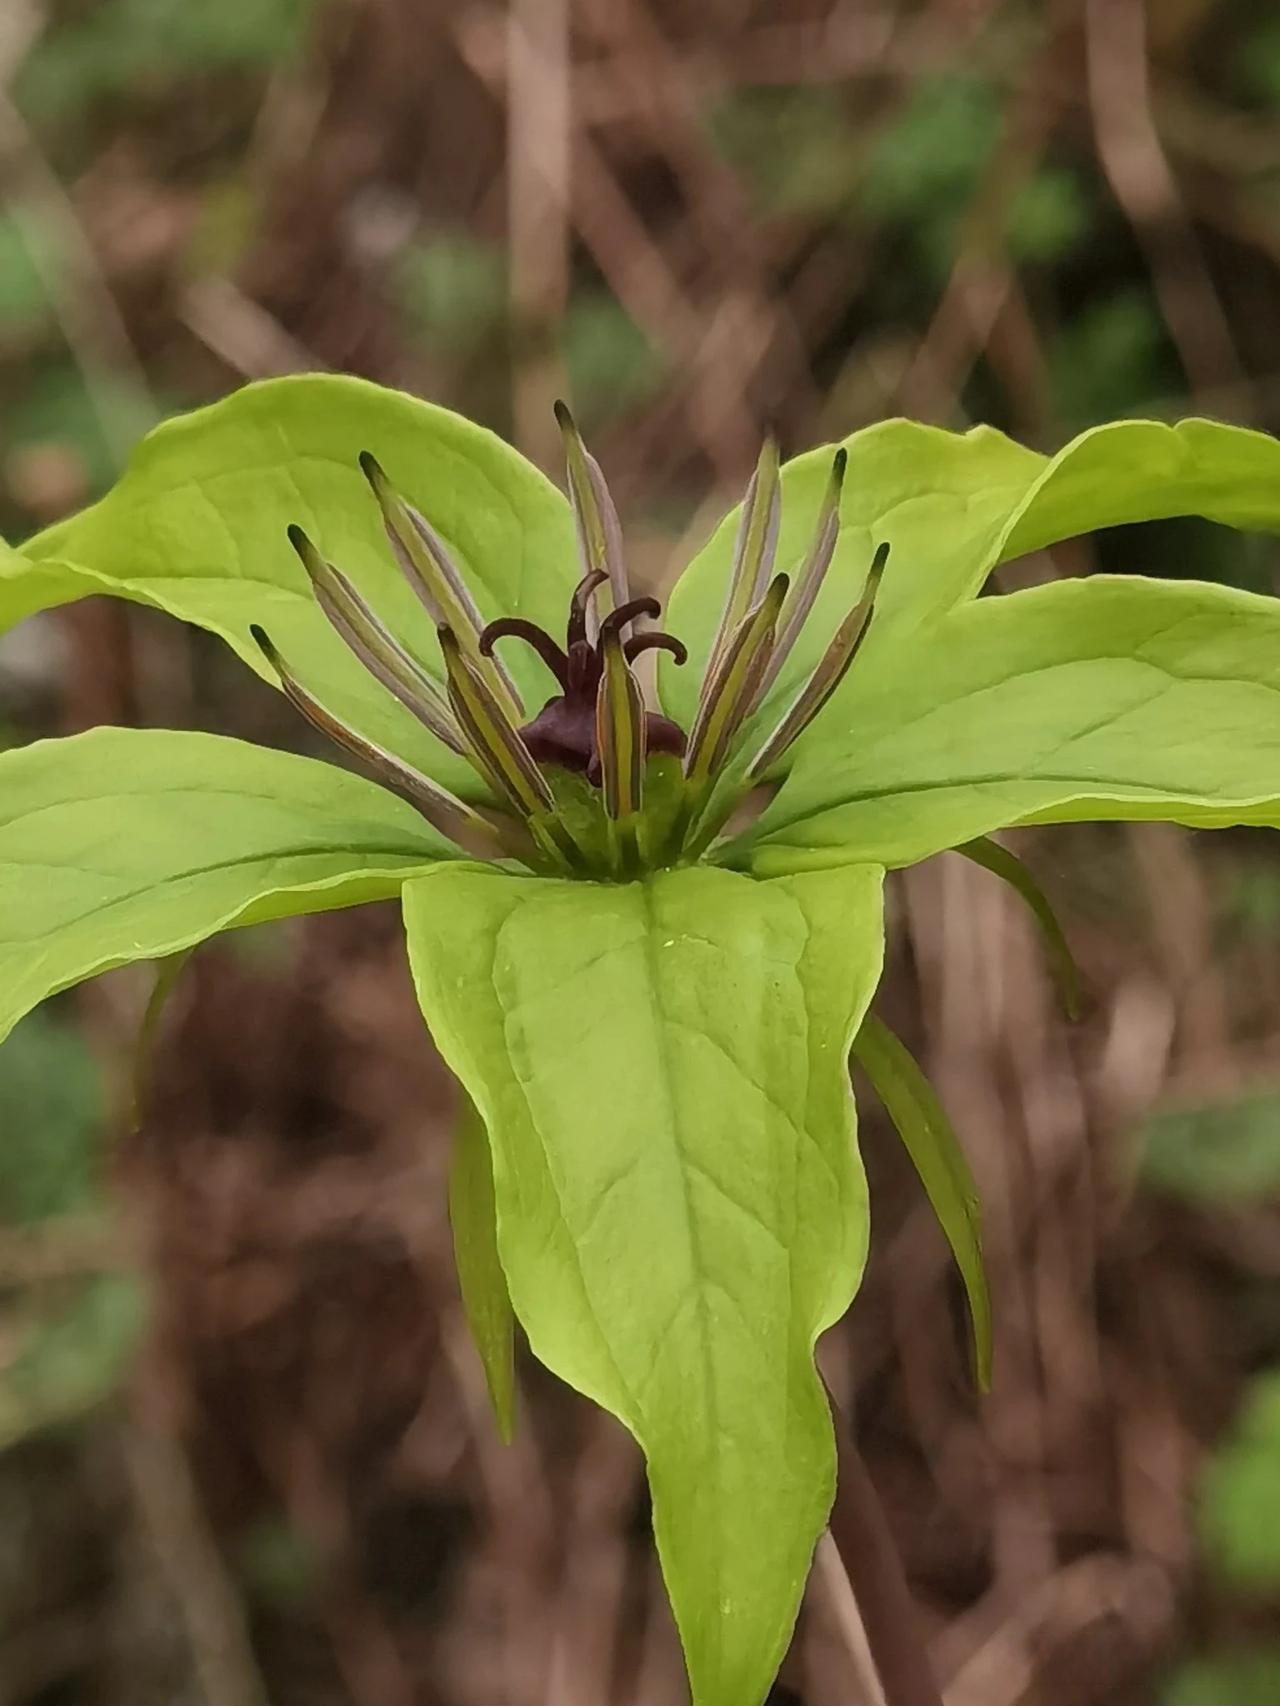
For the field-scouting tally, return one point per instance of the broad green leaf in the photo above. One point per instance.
(954, 506)
(485, 1298)
(662, 1070)
(930, 1140)
(197, 524)
(1102, 698)
(940, 498)
(1143, 471)
(132, 844)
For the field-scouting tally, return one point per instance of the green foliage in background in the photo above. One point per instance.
(1223, 1152)
(132, 48)
(65, 1339)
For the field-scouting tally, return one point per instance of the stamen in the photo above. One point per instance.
(812, 574)
(831, 671)
(426, 564)
(620, 742)
(499, 752)
(755, 549)
(656, 641)
(729, 691)
(516, 627)
(365, 634)
(461, 823)
(599, 532)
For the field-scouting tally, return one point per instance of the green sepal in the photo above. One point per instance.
(485, 1298)
(930, 1140)
(1010, 869)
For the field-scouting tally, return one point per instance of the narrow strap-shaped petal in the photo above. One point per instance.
(599, 531)
(426, 564)
(451, 816)
(830, 672)
(363, 630)
(754, 550)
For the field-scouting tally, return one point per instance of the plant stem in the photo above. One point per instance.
(871, 1562)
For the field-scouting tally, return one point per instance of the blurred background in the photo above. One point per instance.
(245, 1452)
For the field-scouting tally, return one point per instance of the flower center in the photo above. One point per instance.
(565, 730)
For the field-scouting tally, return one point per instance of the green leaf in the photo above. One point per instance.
(952, 508)
(1010, 869)
(125, 844)
(53, 1104)
(1223, 1152)
(930, 1140)
(1240, 1495)
(1103, 698)
(197, 526)
(662, 1069)
(66, 1354)
(1236, 1679)
(485, 1298)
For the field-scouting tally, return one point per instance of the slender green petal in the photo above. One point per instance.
(753, 553)
(359, 625)
(197, 524)
(426, 564)
(485, 1298)
(1006, 865)
(132, 844)
(730, 690)
(620, 740)
(599, 532)
(676, 1260)
(830, 672)
(472, 832)
(930, 1140)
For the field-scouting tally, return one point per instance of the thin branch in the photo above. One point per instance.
(885, 1608)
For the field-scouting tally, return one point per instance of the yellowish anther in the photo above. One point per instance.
(754, 550)
(425, 561)
(731, 687)
(831, 671)
(495, 742)
(621, 744)
(599, 531)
